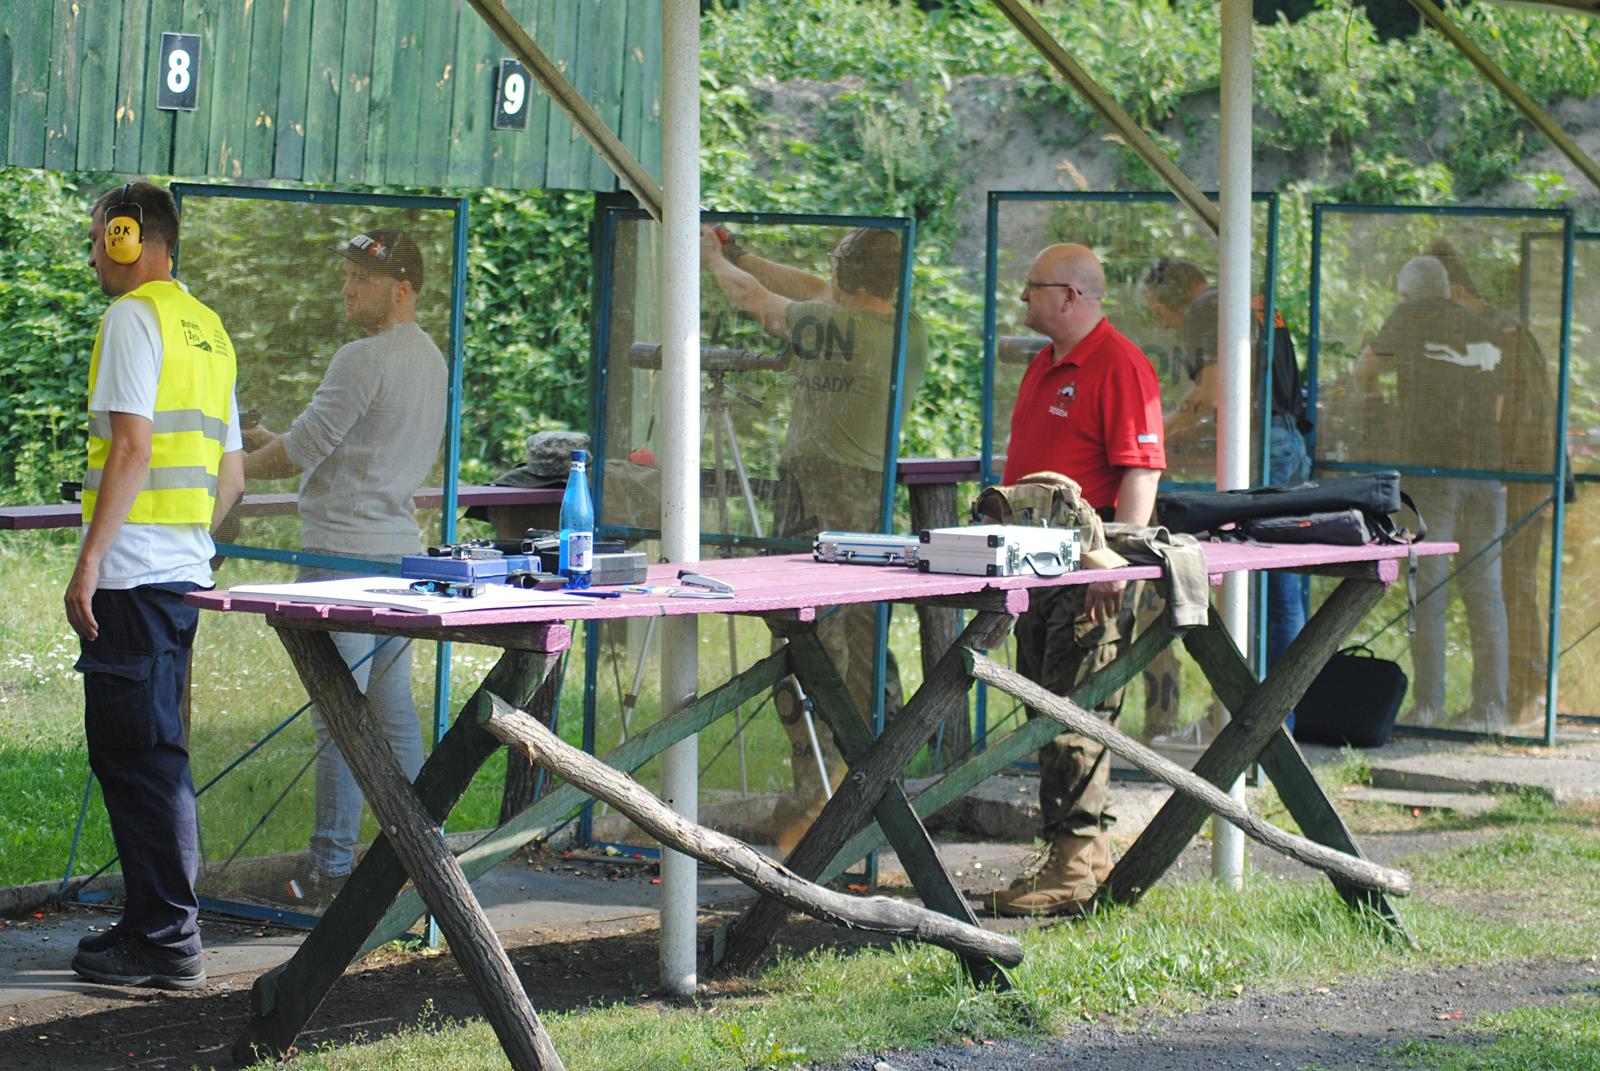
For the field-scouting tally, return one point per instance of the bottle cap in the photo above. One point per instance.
(580, 455)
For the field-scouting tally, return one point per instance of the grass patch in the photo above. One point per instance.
(1181, 946)
(43, 791)
(1536, 859)
(243, 689)
(1559, 1037)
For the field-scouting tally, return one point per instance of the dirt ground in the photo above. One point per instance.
(1342, 1026)
(572, 968)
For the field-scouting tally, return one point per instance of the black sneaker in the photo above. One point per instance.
(99, 942)
(132, 962)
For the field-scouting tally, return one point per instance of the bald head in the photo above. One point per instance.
(1075, 264)
(1063, 293)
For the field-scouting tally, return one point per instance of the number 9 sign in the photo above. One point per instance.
(179, 80)
(511, 96)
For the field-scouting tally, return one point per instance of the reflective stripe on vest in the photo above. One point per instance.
(190, 425)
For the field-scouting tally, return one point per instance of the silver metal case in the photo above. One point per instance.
(1000, 550)
(867, 548)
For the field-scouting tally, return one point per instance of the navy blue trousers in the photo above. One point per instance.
(133, 677)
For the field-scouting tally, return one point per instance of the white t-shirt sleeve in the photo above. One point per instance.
(235, 437)
(130, 360)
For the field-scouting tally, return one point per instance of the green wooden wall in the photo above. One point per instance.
(348, 92)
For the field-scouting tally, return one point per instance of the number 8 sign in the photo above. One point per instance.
(511, 97)
(179, 82)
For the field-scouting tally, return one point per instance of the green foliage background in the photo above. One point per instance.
(1405, 121)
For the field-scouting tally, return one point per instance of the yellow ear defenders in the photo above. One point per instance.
(125, 230)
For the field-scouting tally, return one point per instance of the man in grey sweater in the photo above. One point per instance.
(362, 448)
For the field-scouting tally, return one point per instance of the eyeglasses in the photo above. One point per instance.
(1029, 286)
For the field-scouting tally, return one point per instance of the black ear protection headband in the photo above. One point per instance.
(124, 229)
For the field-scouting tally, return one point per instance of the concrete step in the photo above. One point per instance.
(1562, 779)
(1461, 802)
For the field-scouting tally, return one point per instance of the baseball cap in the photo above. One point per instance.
(387, 251)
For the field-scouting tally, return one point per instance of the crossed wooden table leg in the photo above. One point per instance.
(1255, 733)
(372, 908)
(871, 788)
(409, 844)
(841, 835)
(413, 834)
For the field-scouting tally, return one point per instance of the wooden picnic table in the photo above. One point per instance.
(787, 592)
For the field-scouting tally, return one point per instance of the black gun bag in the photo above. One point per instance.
(1373, 495)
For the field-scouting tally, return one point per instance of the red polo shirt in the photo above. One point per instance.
(1088, 415)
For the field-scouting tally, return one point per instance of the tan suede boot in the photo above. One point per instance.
(1065, 884)
(1103, 863)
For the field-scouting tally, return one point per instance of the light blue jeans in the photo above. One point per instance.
(385, 679)
(1287, 464)
(1473, 514)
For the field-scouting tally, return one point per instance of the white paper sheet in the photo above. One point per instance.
(394, 593)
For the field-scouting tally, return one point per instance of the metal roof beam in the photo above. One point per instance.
(571, 102)
(1558, 7)
(1113, 114)
(1510, 90)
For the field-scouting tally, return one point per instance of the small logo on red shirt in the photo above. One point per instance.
(1064, 398)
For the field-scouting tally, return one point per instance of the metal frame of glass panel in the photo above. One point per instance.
(458, 283)
(459, 210)
(1575, 479)
(1261, 391)
(1555, 477)
(611, 213)
(991, 300)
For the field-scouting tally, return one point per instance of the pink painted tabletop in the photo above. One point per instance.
(796, 583)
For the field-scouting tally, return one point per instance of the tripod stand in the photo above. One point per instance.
(715, 411)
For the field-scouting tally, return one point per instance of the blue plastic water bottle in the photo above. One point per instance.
(577, 524)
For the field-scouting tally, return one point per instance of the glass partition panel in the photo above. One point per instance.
(343, 310)
(1161, 272)
(1438, 351)
(810, 356)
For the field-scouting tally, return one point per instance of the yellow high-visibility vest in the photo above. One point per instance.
(191, 414)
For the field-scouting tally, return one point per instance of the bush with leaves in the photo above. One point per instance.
(49, 305)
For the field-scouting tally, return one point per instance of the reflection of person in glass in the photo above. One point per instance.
(830, 475)
(1527, 441)
(1176, 293)
(362, 448)
(1449, 391)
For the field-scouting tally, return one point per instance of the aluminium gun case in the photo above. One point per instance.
(866, 548)
(1000, 550)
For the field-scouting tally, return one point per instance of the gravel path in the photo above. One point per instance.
(1342, 1026)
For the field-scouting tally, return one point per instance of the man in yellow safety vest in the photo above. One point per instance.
(165, 465)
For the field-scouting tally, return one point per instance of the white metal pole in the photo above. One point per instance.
(1233, 348)
(680, 423)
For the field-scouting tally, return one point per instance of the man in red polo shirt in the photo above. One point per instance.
(1089, 407)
